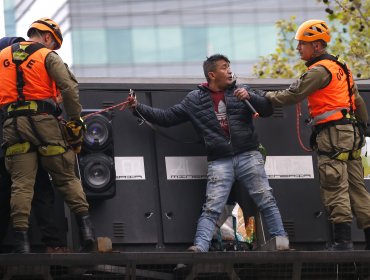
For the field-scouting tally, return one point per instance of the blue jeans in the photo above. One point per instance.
(248, 169)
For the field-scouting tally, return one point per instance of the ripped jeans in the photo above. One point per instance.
(248, 169)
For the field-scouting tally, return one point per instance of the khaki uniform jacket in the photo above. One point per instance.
(66, 83)
(316, 78)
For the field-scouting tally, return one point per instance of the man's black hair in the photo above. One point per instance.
(209, 64)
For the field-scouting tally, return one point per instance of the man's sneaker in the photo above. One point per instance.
(180, 267)
(282, 243)
(57, 250)
(193, 249)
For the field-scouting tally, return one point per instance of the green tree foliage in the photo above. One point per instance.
(349, 22)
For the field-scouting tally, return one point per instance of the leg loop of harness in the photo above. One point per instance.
(22, 147)
(18, 148)
(342, 156)
(352, 154)
(51, 150)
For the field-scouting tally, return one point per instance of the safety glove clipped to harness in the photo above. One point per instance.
(74, 133)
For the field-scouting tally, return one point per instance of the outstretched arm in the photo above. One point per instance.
(314, 79)
(163, 117)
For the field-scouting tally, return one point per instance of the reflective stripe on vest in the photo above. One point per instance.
(323, 116)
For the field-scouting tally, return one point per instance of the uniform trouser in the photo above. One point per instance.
(343, 189)
(42, 207)
(4, 200)
(23, 167)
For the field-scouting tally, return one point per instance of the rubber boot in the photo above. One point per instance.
(342, 238)
(87, 235)
(367, 238)
(21, 242)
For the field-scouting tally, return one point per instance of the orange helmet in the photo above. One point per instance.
(47, 24)
(313, 30)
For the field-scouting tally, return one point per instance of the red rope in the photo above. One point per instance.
(298, 111)
(123, 106)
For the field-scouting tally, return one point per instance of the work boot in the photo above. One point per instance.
(367, 238)
(57, 250)
(21, 242)
(87, 235)
(342, 238)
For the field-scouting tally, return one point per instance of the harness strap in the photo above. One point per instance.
(20, 54)
(15, 124)
(346, 71)
(343, 156)
(32, 107)
(346, 155)
(322, 126)
(350, 93)
(37, 134)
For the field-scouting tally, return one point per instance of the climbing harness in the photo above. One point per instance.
(28, 108)
(348, 118)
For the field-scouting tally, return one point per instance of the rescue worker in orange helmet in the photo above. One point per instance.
(32, 77)
(339, 118)
(43, 198)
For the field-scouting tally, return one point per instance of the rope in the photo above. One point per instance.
(123, 106)
(298, 111)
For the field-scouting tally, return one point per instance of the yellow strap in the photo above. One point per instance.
(32, 105)
(51, 150)
(17, 149)
(345, 155)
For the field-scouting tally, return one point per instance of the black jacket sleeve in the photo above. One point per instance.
(262, 105)
(163, 117)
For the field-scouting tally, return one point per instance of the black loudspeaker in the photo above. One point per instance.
(96, 159)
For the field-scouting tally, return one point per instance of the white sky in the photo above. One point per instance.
(39, 9)
(2, 25)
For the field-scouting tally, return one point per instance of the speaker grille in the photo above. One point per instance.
(278, 112)
(289, 227)
(118, 229)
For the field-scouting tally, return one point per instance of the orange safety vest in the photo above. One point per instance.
(326, 104)
(38, 85)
